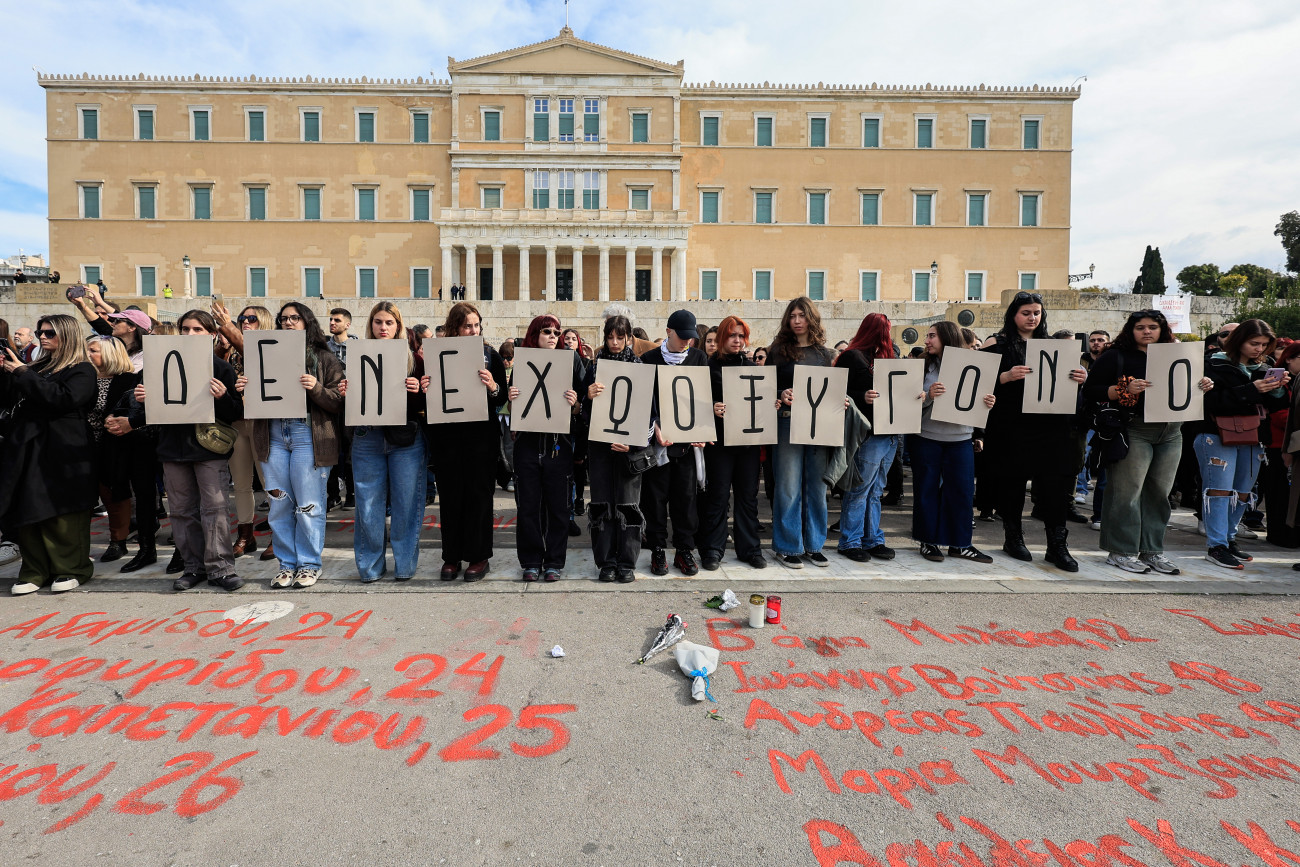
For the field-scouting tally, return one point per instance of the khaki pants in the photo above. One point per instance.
(55, 548)
(242, 467)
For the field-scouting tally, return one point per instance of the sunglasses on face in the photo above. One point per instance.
(289, 319)
(1029, 296)
(550, 331)
(48, 333)
(249, 318)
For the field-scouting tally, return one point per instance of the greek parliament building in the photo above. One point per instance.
(562, 170)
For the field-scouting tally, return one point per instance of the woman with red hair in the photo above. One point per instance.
(860, 535)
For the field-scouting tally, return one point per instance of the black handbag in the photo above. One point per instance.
(646, 459)
(9, 420)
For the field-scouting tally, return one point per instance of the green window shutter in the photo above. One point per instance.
(366, 126)
(365, 204)
(641, 128)
(640, 200)
(90, 202)
(870, 289)
(591, 126)
(817, 285)
(591, 200)
(92, 273)
(709, 136)
(148, 280)
(311, 203)
(203, 282)
(979, 134)
(709, 285)
(1029, 210)
(201, 132)
(565, 200)
(975, 211)
(817, 133)
(420, 283)
(763, 132)
(541, 127)
(420, 127)
(311, 282)
(257, 282)
(871, 209)
(921, 287)
(541, 199)
(1028, 282)
(566, 127)
(203, 203)
(709, 207)
(1031, 135)
(925, 133)
(491, 197)
(762, 207)
(311, 126)
(147, 209)
(817, 209)
(924, 201)
(974, 287)
(871, 132)
(256, 126)
(257, 203)
(145, 120)
(89, 123)
(762, 285)
(366, 282)
(491, 126)
(419, 205)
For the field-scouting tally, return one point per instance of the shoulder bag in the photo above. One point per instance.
(1238, 430)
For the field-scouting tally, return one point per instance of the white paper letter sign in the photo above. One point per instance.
(685, 404)
(377, 371)
(750, 396)
(621, 413)
(177, 374)
(966, 376)
(456, 394)
(1048, 388)
(273, 363)
(1174, 371)
(817, 414)
(542, 377)
(900, 382)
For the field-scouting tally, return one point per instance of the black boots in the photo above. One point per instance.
(1014, 544)
(146, 556)
(116, 550)
(1057, 554)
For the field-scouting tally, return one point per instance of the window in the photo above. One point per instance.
(709, 130)
(709, 206)
(366, 282)
(640, 199)
(817, 209)
(420, 204)
(762, 285)
(763, 132)
(817, 285)
(257, 203)
(365, 126)
(256, 124)
(869, 285)
(90, 201)
(591, 120)
(564, 195)
(1029, 209)
(871, 132)
(591, 191)
(871, 209)
(257, 282)
(920, 285)
(200, 119)
(420, 127)
(1030, 133)
(923, 215)
(763, 207)
(925, 132)
(365, 203)
(817, 132)
(708, 285)
(640, 127)
(310, 125)
(202, 197)
(144, 124)
(976, 209)
(566, 120)
(541, 189)
(90, 273)
(90, 123)
(491, 197)
(311, 283)
(974, 285)
(311, 203)
(979, 136)
(1029, 282)
(541, 120)
(491, 126)
(203, 281)
(146, 280)
(146, 202)
(420, 282)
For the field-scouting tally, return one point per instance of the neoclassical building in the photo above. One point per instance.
(562, 170)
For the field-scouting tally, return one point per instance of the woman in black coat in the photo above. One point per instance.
(116, 378)
(47, 488)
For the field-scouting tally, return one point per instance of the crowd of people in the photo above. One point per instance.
(76, 440)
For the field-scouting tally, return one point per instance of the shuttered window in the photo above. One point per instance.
(257, 282)
(491, 126)
(709, 285)
(817, 285)
(365, 204)
(869, 286)
(311, 203)
(924, 207)
(1029, 209)
(144, 124)
(979, 134)
(817, 209)
(640, 127)
(90, 123)
(365, 126)
(420, 127)
(366, 282)
(975, 286)
(566, 120)
(871, 132)
(640, 200)
(763, 132)
(817, 132)
(257, 203)
(420, 283)
(203, 281)
(420, 205)
(256, 126)
(148, 280)
(311, 282)
(709, 132)
(201, 131)
(491, 198)
(591, 120)
(762, 285)
(921, 286)
(202, 203)
(541, 120)
(709, 207)
(975, 208)
(871, 209)
(1031, 135)
(147, 202)
(1028, 282)
(311, 126)
(925, 132)
(762, 207)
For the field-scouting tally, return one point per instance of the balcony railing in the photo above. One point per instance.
(559, 215)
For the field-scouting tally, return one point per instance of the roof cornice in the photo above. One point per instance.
(260, 83)
(928, 91)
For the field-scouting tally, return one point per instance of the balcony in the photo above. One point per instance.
(605, 216)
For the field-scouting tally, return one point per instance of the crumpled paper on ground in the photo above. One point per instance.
(673, 631)
(725, 602)
(557, 651)
(698, 662)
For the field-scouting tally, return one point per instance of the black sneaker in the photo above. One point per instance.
(818, 558)
(1238, 553)
(607, 575)
(970, 553)
(987, 516)
(176, 564)
(756, 561)
(625, 576)
(931, 553)
(1219, 555)
(685, 563)
(231, 582)
(857, 555)
(1076, 516)
(659, 562)
(790, 561)
(710, 564)
(578, 506)
(189, 581)
(881, 552)
(574, 529)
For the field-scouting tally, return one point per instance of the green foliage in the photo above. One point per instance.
(1281, 313)
(1200, 279)
(1234, 284)
(1151, 278)
(1288, 229)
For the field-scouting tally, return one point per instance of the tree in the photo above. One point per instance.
(1200, 279)
(1258, 279)
(1288, 229)
(1151, 278)
(1233, 285)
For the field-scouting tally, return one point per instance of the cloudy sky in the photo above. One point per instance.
(1185, 137)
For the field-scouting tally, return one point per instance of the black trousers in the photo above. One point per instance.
(144, 486)
(730, 468)
(542, 480)
(466, 470)
(671, 489)
(614, 514)
(1046, 461)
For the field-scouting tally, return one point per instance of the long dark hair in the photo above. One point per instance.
(1125, 338)
(1021, 299)
(315, 337)
(785, 344)
(1248, 330)
(873, 338)
(949, 334)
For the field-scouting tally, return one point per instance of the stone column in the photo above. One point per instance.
(676, 276)
(657, 274)
(498, 272)
(524, 288)
(604, 272)
(577, 272)
(471, 272)
(550, 273)
(446, 271)
(629, 275)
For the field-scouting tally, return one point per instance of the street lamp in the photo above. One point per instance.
(22, 258)
(185, 263)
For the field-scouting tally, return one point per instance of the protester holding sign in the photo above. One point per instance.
(543, 461)
(295, 454)
(196, 474)
(1029, 446)
(943, 463)
(47, 486)
(1227, 440)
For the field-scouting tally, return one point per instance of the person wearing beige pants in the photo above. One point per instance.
(242, 467)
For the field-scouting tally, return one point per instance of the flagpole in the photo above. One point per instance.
(566, 13)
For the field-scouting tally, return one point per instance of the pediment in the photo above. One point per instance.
(564, 55)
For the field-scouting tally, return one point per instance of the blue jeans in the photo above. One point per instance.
(799, 506)
(382, 472)
(1081, 481)
(1225, 468)
(943, 482)
(297, 515)
(860, 510)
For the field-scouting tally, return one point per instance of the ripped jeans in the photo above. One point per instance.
(1225, 468)
(296, 488)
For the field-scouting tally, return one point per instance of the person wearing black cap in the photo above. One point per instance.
(673, 487)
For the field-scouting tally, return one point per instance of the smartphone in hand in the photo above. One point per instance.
(1275, 374)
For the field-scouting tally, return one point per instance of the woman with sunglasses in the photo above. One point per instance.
(543, 473)
(47, 488)
(116, 379)
(572, 340)
(295, 455)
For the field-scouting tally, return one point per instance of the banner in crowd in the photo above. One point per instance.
(1178, 312)
(966, 376)
(177, 379)
(750, 397)
(900, 382)
(542, 377)
(621, 413)
(1048, 387)
(1174, 371)
(376, 374)
(456, 394)
(685, 404)
(274, 361)
(817, 414)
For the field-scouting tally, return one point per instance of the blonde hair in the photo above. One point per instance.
(164, 329)
(265, 321)
(72, 346)
(390, 308)
(114, 354)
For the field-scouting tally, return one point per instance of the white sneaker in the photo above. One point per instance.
(23, 589)
(1200, 527)
(9, 553)
(1081, 498)
(1160, 563)
(1128, 564)
(1244, 532)
(305, 577)
(1096, 524)
(63, 585)
(283, 578)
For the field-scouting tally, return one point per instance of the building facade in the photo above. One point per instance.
(562, 170)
